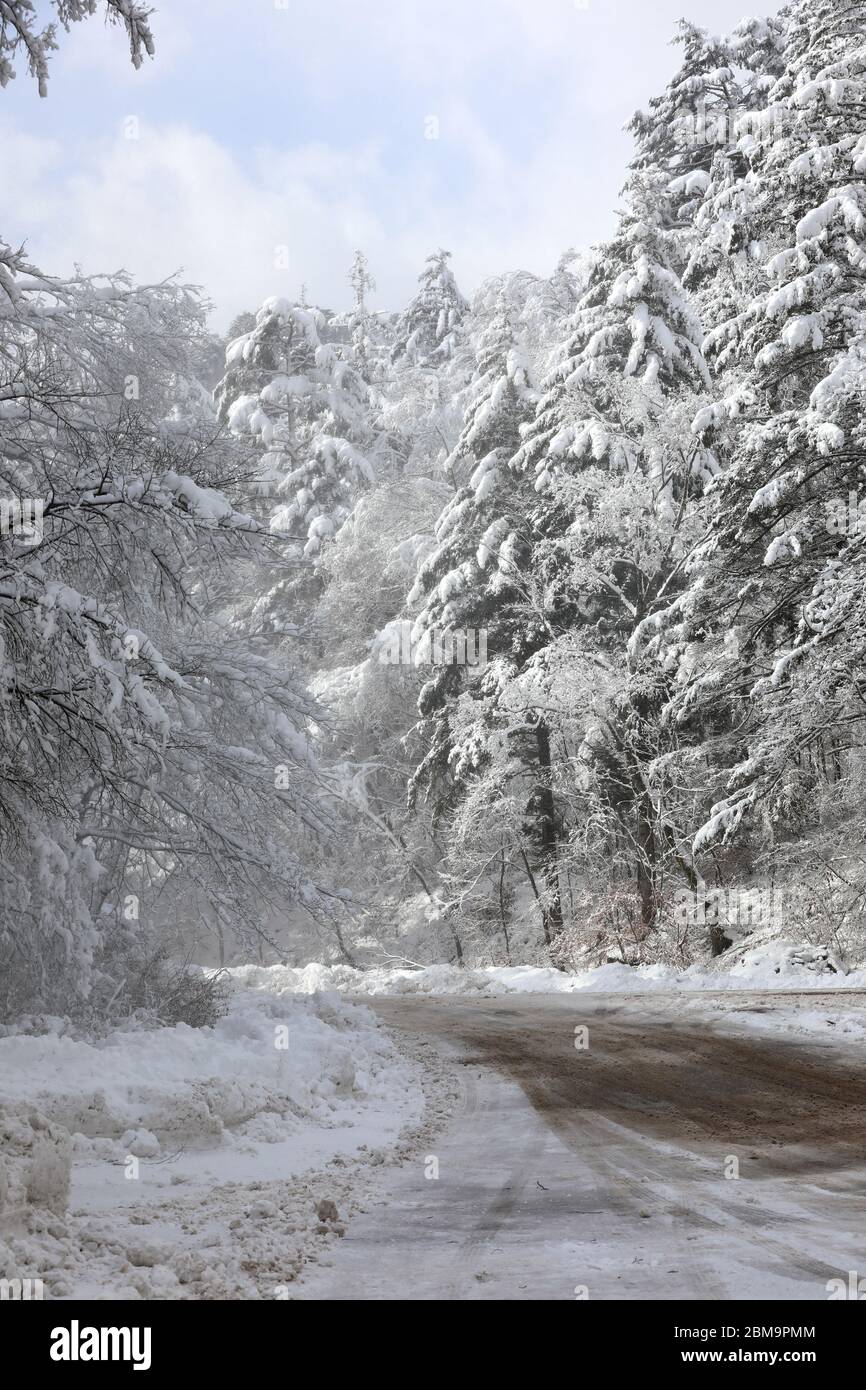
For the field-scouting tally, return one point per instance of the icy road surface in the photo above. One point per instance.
(599, 1171)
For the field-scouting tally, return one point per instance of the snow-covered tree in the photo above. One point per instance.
(365, 335)
(141, 738)
(428, 330)
(300, 402)
(21, 36)
(770, 624)
(470, 589)
(475, 533)
(616, 481)
(305, 406)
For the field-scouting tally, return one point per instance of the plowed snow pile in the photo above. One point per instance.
(772, 964)
(186, 1146)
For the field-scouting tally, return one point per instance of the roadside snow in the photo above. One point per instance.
(774, 965)
(312, 1061)
(765, 987)
(188, 1147)
(220, 1162)
(795, 1017)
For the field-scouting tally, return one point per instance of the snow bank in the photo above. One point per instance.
(774, 965)
(432, 979)
(213, 1139)
(299, 1057)
(35, 1162)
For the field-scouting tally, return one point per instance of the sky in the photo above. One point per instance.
(269, 139)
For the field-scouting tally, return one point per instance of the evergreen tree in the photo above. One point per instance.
(771, 621)
(429, 329)
(298, 399)
(471, 588)
(306, 408)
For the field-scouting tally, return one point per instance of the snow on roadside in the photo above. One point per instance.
(772, 965)
(764, 987)
(798, 1017)
(198, 1155)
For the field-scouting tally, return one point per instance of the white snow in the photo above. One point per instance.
(772, 965)
(781, 547)
(180, 1130)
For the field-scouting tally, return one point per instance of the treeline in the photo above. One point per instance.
(652, 473)
(631, 493)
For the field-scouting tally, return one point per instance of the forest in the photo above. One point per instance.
(519, 628)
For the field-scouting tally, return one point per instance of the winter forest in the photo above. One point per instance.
(519, 628)
(432, 725)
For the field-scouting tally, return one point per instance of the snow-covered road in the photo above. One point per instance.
(669, 1152)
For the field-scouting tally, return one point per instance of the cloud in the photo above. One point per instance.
(303, 126)
(176, 199)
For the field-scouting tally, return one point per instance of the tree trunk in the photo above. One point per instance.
(502, 912)
(458, 948)
(344, 950)
(548, 835)
(646, 864)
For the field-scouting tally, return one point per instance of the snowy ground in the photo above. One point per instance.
(199, 1156)
(773, 964)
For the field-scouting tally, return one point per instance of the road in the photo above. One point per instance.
(663, 1159)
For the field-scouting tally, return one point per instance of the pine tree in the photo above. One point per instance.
(366, 334)
(617, 485)
(297, 398)
(428, 331)
(471, 586)
(300, 402)
(771, 621)
(474, 533)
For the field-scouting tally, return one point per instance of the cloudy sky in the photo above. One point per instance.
(269, 138)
